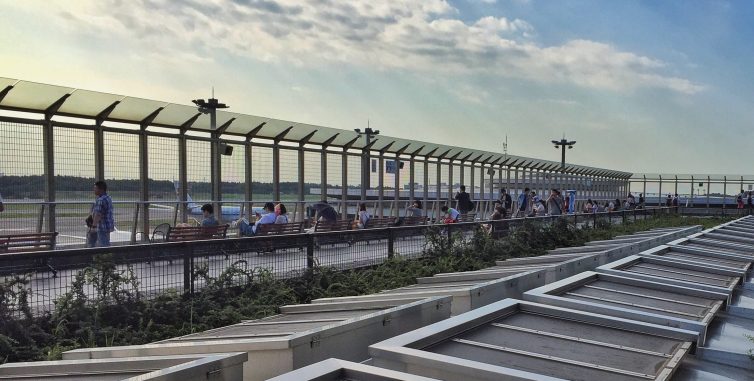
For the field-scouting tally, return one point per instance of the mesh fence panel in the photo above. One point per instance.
(21, 177)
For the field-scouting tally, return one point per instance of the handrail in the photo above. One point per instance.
(139, 247)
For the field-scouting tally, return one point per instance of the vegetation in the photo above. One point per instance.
(103, 306)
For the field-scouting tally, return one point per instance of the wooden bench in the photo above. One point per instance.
(193, 233)
(16, 243)
(413, 221)
(332, 226)
(272, 229)
(380, 222)
(19, 243)
(468, 217)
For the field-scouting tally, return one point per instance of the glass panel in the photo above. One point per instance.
(34, 96)
(88, 103)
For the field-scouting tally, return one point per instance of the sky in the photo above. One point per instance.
(642, 86)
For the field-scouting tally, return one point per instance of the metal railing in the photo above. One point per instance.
(188, 266)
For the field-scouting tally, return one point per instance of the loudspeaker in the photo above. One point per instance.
(226, 149)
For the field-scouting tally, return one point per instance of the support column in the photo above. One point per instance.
(450, 183)
(725, 191)
(249, 179)
(397, 178)
(301, 195)
(323, 175)
(381, 183)
(344, 181)
(438, 192)
(48, 142)
(183, 177)
(276, 172)
(144, 179)
(659, 191)
(99, 152)
(411, 179)
(425, 204)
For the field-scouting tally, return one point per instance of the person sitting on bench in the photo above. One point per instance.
(268, 218)
(451, 215)
(281, 214)
(208, 212)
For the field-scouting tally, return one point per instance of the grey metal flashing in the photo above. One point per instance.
(535, 349)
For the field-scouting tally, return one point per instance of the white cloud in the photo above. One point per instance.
(420, 36)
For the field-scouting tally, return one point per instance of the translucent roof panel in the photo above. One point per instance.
(37, 97)
(34, 96)
(245, 123)
(175, 115)
(88, 103)
(300, 131)
(5, 82)
(135, 109)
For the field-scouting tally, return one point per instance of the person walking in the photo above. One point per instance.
(641, 200)
(2, 207)
(749, 202)
(103, 222)
(675, 200)
(463, 201)
(740, 200)
(669, 200)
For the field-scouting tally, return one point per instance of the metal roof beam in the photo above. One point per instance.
(430, 153)
(102, 116)
(281, 135)
(50, 111)
(190, 122)
(5, 92)
(370, 145)
(476, 159)
(348, 145)
(221, 130)
(306, 139)
(413, 154)
(466, 157)
(254, 131)
(329, 141)
(387, 147)
(400, 151)
(442, 156)
(149, 119)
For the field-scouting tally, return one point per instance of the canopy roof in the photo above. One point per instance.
(52, 100)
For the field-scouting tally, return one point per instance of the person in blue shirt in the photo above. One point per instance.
(103, 222)
(268, 217)
(208, 212)
(523, 203)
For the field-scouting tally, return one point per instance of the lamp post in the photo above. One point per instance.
(368, 134)
(210, 107)
(562, 144)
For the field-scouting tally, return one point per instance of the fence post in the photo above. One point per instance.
(188, 270)
(390, 243)
(310, 251)
(623, 216)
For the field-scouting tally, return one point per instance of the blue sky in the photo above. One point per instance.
(643, 86)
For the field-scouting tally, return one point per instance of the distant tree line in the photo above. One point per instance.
(33, 186)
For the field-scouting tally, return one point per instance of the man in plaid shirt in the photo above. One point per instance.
(103, 222)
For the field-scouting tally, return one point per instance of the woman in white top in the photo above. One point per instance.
(281, 214)
(362, 218)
